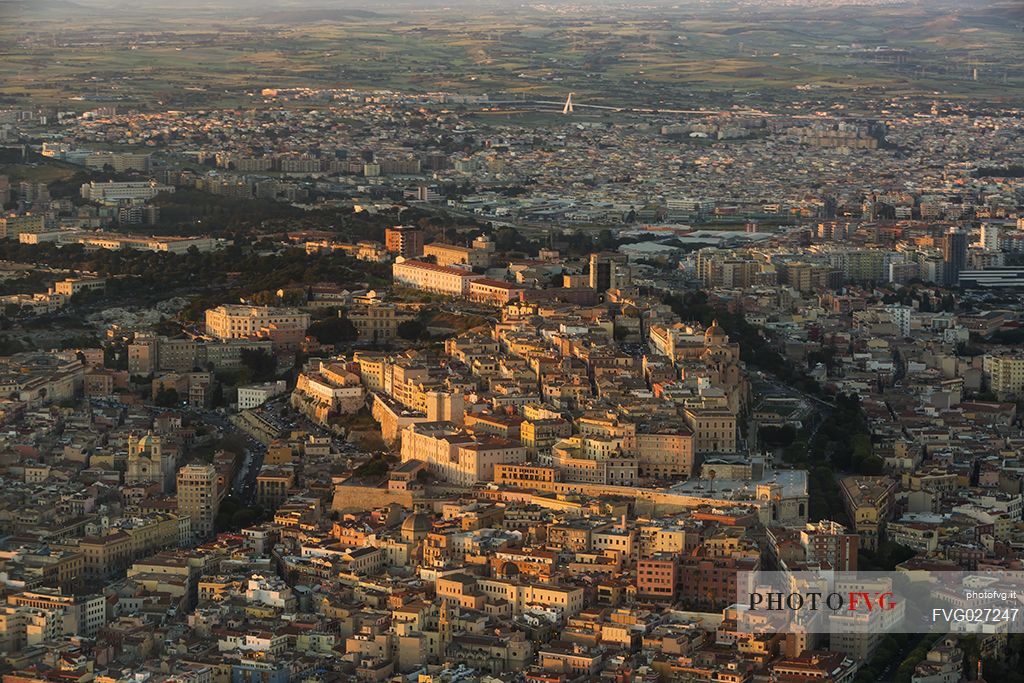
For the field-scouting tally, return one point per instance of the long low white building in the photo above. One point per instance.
(457, 457)
(431, 277)
(113, 191)
(171, 245)
(113, 242)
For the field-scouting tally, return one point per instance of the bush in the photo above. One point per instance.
(261, 364)
(412, 330)
(333, 330)
(777, 437)
(167, 398)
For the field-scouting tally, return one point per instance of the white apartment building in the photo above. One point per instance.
(241, 322)
(989, 239)
(74, 285)
(119, 161)
(900, 317)
(256, 395)
(82, 615)
(1005, 375)
(453, 255)
(198, 497)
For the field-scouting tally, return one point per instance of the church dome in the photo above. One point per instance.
(715, 335)
(417, 523)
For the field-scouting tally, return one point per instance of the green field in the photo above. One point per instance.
(37, 169)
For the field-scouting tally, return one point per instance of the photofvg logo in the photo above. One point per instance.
(835, 602)
(911, 601)
(818, 602)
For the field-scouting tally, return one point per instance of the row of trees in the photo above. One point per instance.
(841, 442)
(754, 348)
(338, 329)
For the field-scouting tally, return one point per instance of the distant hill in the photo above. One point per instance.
(278, 12)
(28, 8)
(317, 14)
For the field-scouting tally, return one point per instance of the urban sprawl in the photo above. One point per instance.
(564, 383)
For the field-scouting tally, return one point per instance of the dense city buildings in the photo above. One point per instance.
(365, 351)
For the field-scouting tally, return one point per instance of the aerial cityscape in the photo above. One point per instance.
(672, 341)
